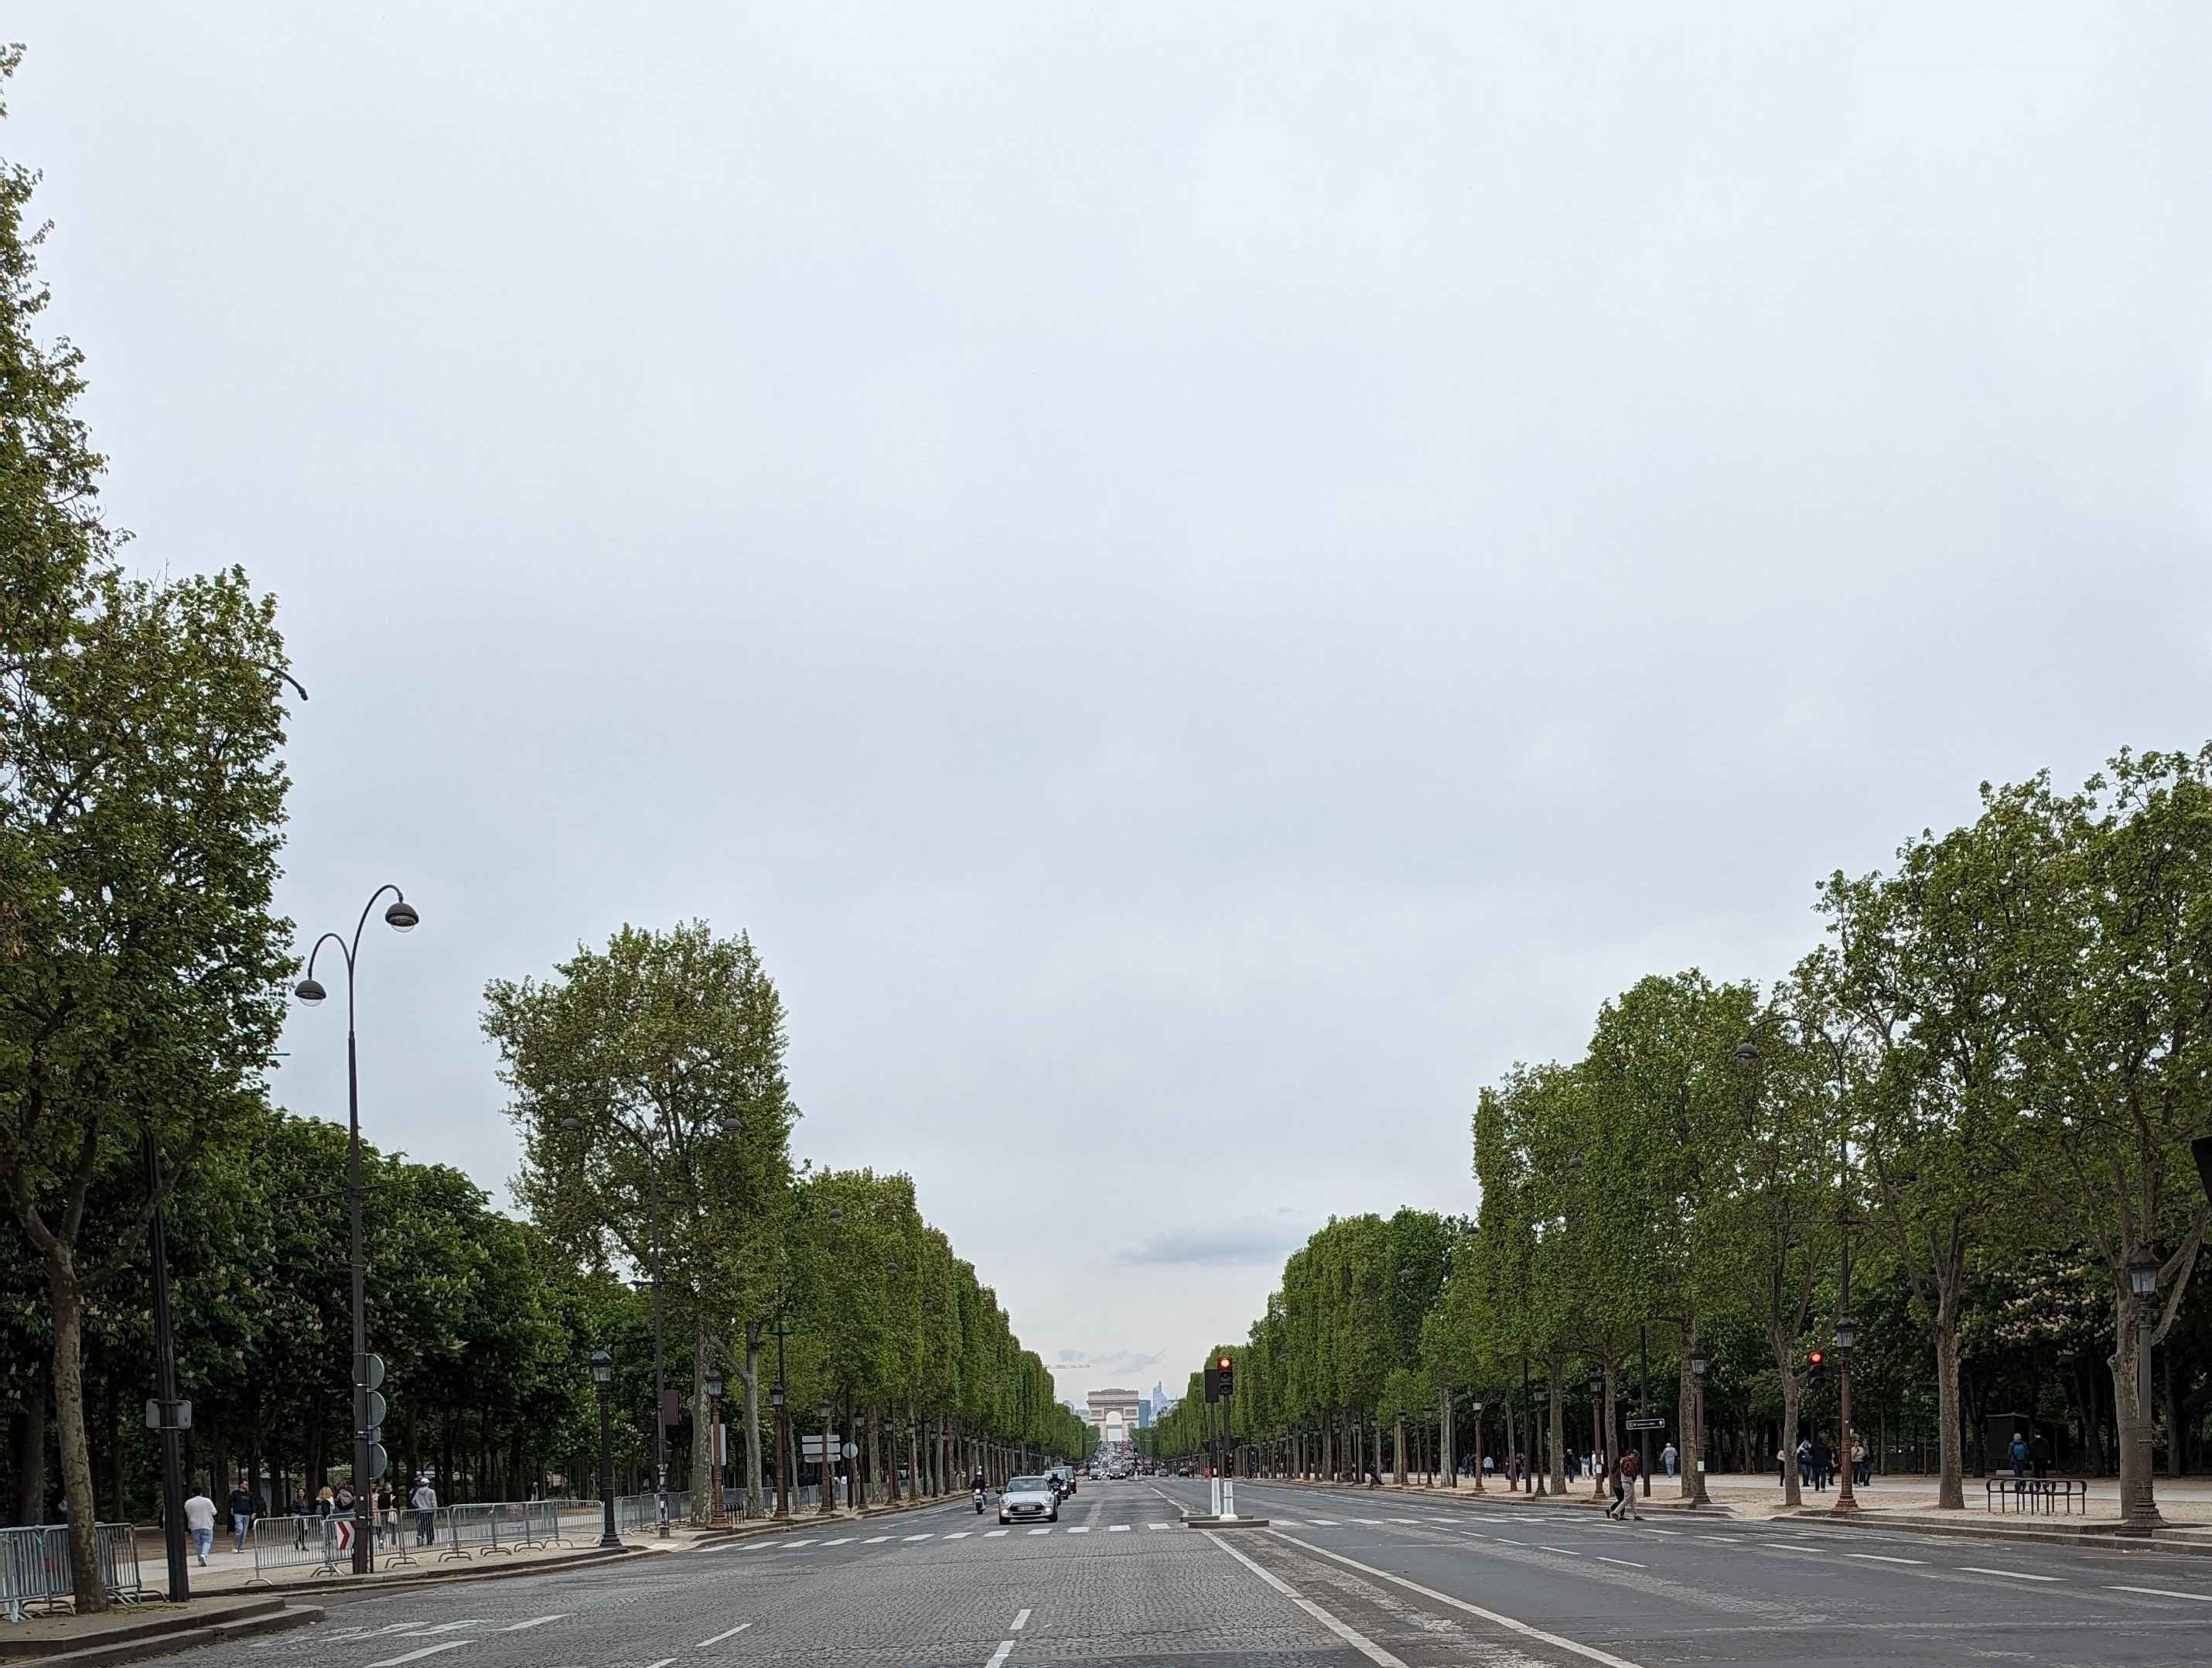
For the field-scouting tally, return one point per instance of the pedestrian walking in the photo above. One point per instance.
(1804, 1461)
(1668, 1458)
(1824, 1464)
(424, 1500)
(1861, 1470)
(200, 1518)
(241, 1504)
(1624, 1489)
(387, 1521)
(302, 1509)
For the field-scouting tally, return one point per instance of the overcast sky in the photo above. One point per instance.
(1202, 579)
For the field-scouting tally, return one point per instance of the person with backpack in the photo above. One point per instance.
(1624, 1474)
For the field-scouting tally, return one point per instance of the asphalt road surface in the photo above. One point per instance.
(1339, 1579)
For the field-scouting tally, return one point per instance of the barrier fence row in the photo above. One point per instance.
(323, 1546)
(34, 1566)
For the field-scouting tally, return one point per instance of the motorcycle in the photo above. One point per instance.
(979, 1502)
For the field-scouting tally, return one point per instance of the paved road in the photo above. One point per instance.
(1341, 1579)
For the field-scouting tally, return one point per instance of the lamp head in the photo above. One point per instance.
(1747, 1051)
(714, 1386)
(310, 991)
(1698, 1360)
(602, 1369)
(400, 917)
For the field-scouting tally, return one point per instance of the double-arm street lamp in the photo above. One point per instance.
(400, 917)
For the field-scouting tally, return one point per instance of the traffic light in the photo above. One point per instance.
(1225, 1369)
(1816, 1365)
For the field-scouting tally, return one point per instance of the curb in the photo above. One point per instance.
(2105, 1541)
(185, 1632)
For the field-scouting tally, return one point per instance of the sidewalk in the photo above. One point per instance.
(1906, 1501)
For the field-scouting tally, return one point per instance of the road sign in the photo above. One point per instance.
(1647, 1424)
(369, 1371)
(810, 1449)
(377, 1408)
(850, 1451)
(671, 1407)
(179, 1419)
(378, 1461)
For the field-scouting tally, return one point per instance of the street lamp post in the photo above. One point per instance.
(716, 1514)
(400, 915)
(1478, 1447)
(2138, 1509)
(1597, 1442)
(602, 1377)
(1699, 1362)
(782, 1433)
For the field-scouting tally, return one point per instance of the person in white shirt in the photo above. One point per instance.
(200, 1518)
(424, 1500)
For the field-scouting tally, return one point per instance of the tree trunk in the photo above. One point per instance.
(749, 1376)
(2131, 1405)
(1950, 1483)
(1555, 1396)
(68, 1429)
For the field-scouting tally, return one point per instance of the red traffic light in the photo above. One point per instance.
(1224, 1363)
(1814, 1359)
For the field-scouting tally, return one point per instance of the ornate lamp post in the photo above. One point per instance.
(1478, 1446)
(1846, 1334)
(602, 1377)
(401, 917)
(782, 1435)
(1597, 1440)
(716, 1514)
(2138, 1511)
(1699, 1362)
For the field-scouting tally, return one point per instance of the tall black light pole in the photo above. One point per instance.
(400, 915)
(602, 1377)
(1699, 1362)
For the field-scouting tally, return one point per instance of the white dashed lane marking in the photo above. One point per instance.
(727, 1632)
(1884, 1558)
(2167, 1592)
(416, 1656)
(1021, 1621)
(534, 1621)
(2010, 1574)
(1006, 1649)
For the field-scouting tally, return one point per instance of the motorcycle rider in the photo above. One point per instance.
(977, 1484)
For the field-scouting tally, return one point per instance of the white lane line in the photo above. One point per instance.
(1040, 1532)
(1675, 1533)
(912, 1538)
(662, 1663)
(1884, 1558)
(877, 1540)
(1006, 1649)
(1590, 1652)
(1320, 1522)
(988, 1535)
(1344, 1630)
(2010, 1574)
(427, 1651)
(1405, 1520)
(1021, 1621)
(1159, 1525)
(960, 1535)
(1628, 1563)
(793, 1546)
(1564, 1552)
(727, 1632)
(2155, 1592)
(534, 1621)
(1372, 1523)
(1117, 1528)
(1081, 1529)
(842, 1540)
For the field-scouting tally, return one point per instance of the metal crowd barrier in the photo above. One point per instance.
(640, 1511)
(34, 1566)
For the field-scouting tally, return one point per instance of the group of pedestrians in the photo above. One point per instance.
(1818, 1464)
(322, 1509)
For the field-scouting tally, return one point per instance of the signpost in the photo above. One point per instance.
(1647, 1424)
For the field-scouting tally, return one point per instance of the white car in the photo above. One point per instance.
(1029, 1499)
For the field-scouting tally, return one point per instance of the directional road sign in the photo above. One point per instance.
(1647, 1424)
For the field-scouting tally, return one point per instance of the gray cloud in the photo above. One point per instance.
(1215, 1244)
